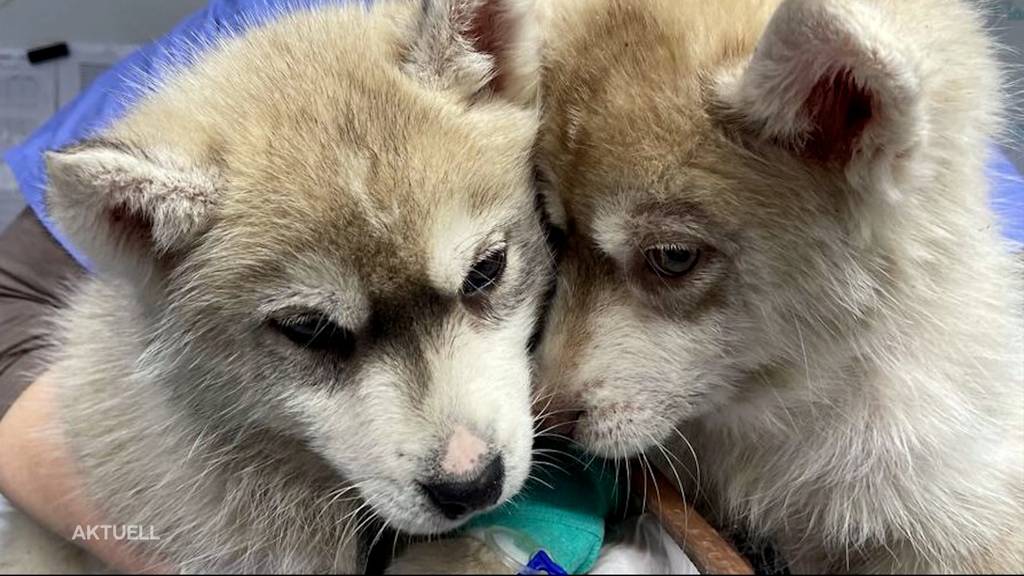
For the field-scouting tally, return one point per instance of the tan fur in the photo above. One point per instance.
(846, 359)
(346, 162)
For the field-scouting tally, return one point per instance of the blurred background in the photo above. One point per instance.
(97, 32)
(100, 31)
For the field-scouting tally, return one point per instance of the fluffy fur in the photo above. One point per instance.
(846, 356)
(348, 163)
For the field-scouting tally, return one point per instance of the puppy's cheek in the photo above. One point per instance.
(518, 456)
(610, 432)
(626, 416)
(606, 443)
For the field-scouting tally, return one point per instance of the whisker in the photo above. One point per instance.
(696, 463)
(542, 482)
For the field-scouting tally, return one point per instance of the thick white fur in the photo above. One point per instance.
(267, 179)
(854, 391)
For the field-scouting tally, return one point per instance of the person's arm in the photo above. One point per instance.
(36, 471)
(38, 476)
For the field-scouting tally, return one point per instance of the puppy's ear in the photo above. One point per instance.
(118, 203)
(478, 47)
(832, 81)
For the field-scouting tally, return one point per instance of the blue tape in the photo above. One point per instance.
(541, 563)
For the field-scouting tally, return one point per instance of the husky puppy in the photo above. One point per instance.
(779, 244)
(320, 266)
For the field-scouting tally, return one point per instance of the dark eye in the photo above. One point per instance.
(485, 273)
(672, 261)
(317, 332)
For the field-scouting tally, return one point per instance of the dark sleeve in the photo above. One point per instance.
(35, 273)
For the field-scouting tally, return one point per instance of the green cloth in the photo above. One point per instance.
(567, 518)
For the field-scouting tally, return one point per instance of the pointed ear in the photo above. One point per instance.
(831, 81)
(477, 47)
(115, 201)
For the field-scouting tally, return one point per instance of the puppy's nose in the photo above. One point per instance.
(463, 453)
(458, 497)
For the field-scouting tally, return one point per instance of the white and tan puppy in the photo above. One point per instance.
(320, 266)
(779, 243)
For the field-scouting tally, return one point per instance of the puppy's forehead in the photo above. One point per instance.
(635, 116)
(631, 162)
(397, 206)
(349, 159)
(629, 140)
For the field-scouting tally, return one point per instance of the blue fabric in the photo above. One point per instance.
(1007, 196)
(110, 94)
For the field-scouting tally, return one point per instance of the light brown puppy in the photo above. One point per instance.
(779, 243)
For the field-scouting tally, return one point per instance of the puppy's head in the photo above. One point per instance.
(330, 225)
(733, 177)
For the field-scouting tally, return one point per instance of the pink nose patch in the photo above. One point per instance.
(463, 453)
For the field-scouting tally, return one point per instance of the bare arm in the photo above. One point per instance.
(38, 476)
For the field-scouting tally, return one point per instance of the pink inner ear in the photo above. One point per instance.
(839, 110)
(487, 34)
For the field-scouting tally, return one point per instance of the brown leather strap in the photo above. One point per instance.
(706, 548)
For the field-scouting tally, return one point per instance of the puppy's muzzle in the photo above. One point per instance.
(470, 476)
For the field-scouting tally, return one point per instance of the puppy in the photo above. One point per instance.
(319, 269)
(779, 247)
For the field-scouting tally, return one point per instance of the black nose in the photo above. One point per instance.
(456, 498)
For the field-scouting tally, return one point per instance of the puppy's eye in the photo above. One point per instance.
(485, 273)
(317, 332)
(672, 261)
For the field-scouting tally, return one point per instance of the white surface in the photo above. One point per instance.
(91, 27)
(643, 547)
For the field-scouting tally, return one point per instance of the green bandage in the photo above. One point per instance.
(565, 518)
